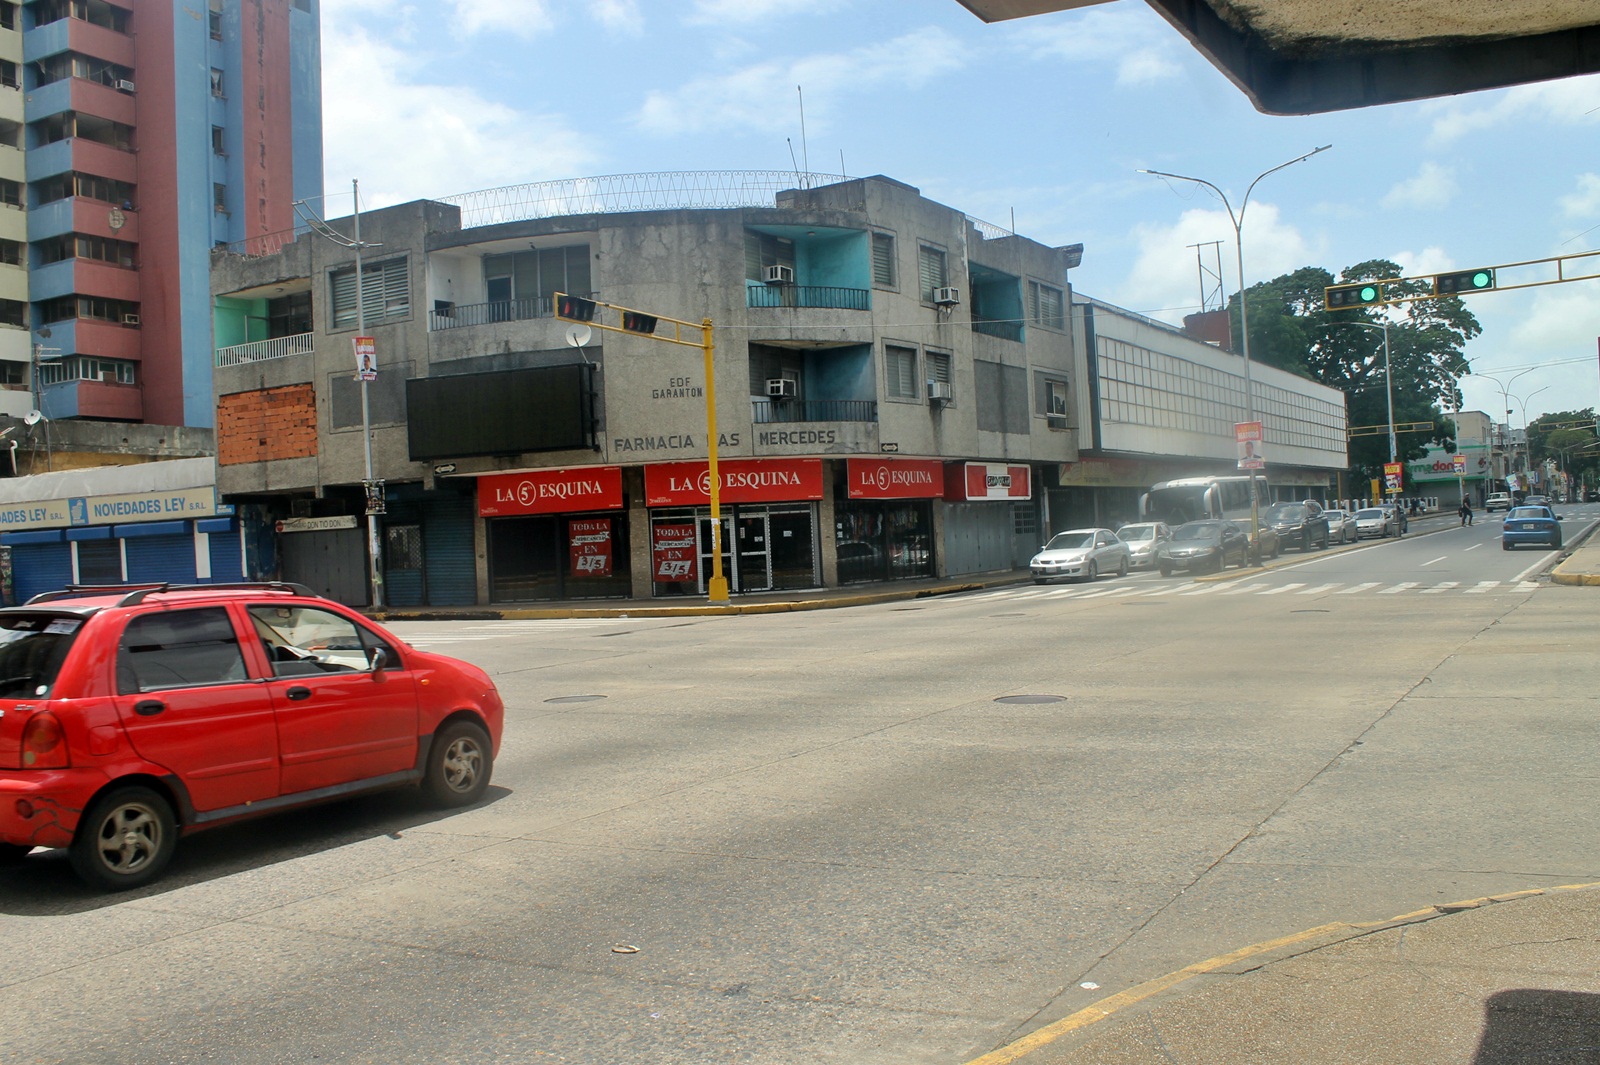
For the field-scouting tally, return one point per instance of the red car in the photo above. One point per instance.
(132, 715)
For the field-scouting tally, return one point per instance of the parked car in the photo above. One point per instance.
(1377, 521)
(1264, 545)
(1143, 539)
(1203, 546)
(1302, 525)
(1342, 526)
(1497, 501)
(132, 715)
(1082, 554)
(1535, 501)
(1530, 525)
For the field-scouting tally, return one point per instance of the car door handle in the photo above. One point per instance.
(298, 693)
(149, 707)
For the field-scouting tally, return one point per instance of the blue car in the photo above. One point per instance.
(1531, 525)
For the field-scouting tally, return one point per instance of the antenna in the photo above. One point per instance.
(792, 161)
(1210, 290)
(805, 153)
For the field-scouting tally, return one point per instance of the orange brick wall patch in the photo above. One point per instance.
(272, 423)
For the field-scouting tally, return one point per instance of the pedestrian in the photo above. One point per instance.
(1466, 513)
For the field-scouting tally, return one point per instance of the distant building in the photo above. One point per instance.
(144, 133)
(901, 392)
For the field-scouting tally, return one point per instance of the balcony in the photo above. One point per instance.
(779, 411)
(263, 350)
(809, 296)
(1005, 330)
(469, 314)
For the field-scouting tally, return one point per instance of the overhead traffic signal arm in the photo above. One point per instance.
(570, 308)
(1356, 294)
(1464, 281)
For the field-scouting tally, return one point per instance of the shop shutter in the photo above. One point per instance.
(161, 558)
(39, 568)
(227, 557)
(447, 540)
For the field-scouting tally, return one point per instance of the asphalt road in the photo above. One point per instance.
(894, 834)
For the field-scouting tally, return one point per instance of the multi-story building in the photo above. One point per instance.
(135, 135)
(899, 391)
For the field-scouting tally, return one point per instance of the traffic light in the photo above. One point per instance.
(1362, 294)
(638, 322)
(1464, 281)
(574, 308)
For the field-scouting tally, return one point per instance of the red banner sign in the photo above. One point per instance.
(895, 478)
(987, 480)
(674, 556)
(550, 491)
(688, 484)
(590, 543)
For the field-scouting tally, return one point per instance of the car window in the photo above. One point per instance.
(1133, 533)
(32, 648)
(1197, 530)
(1066, 541)
(303, 640)
(178, 649)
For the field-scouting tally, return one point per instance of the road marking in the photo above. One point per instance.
(1105, 593)
(1320, 588)
(1204, 589)
(1403, 586)
(1483, 586)
(1247, 589)
(1283, 588)
(1444, 587)
(1359, 588)
(1431, 561)
(1474, 547)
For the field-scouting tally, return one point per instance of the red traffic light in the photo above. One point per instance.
(638, 322)
(574, 308)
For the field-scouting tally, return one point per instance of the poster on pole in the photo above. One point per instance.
(366, 359)
(1393, 476)
(1247, 435)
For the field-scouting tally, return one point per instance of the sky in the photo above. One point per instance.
(1040, 125)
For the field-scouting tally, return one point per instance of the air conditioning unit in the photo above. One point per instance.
(939, 392)
(780, 388)
(109, 376)
(778, 275)
(124, 85)
(946, 297)
(130, 319)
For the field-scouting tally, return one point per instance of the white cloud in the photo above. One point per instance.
(408, 139)
(758, 97)
(1165, 281)
(1584, 202)
(1541, 344)
(1143, 49)
(1568, 102)
(1422, 263)
(726, 12)
(1432, 187)
(520, 18)
(619, 16)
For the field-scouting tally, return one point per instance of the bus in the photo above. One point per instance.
(1193, 498)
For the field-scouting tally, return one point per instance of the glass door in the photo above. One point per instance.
(755, 571)
(703, 521)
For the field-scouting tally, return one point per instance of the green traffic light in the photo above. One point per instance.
(1369, 293)
(1482, 279)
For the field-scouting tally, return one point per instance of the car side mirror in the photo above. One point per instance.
(380, 660)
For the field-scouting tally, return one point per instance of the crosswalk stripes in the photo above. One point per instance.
(1103, 590)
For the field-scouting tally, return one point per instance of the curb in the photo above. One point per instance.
(1246, 960)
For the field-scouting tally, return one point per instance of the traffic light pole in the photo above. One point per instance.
(580, 309)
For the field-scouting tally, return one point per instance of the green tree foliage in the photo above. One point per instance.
(1568, 437)
(1292, 329)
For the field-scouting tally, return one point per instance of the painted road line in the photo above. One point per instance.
(1247, 589)
(1443, 587)
(1320, 588)
(1204, 589)
(1359, 588)
(1483, 586)
(1403, 586)
(1431, 561)
(1283, 588)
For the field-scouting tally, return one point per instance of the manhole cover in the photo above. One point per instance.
(575, 699)
(1031, 699)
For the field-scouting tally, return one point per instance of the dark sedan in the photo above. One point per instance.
(1203, 547)
(1531, 525)
(1303, 525)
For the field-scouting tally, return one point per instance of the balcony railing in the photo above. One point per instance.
(1005, 330)
(489, 313)
(848, 299)
(771, 411)
(262, 350)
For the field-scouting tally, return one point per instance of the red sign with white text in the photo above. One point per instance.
(674, 556)
(688, 484)
(987, 480)
(895, 478)
(550, 491)
(590, 543)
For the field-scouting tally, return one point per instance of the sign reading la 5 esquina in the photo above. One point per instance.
(165, 504)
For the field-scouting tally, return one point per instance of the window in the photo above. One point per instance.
(305, 641)
(178, 649)
(385, 293)
(1045, 305)
(883, 272)
(8, 74)
(11, 252)
(762, 250)
(219, 197)
(219, 141)
(214, 22)
(931, 271)
(216, 83)
(11, 193)
(1055, 404)
(14, 313)
(61, 186)
(900, 371)
(938, 367)
(99, 561)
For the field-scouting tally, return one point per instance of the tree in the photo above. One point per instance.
(1568, 437)
(1292, 329)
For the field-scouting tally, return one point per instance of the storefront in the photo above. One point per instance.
(769, 525)
(556, 534)
(883, 519)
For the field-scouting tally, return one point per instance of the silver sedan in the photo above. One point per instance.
(1082, 554)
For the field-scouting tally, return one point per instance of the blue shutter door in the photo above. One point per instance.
(39, 568)
(161, 558)
(452, 578)
(227, 562)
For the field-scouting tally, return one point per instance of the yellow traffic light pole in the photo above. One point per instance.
(569, 308)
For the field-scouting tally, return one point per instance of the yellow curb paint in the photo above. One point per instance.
(1150, 988)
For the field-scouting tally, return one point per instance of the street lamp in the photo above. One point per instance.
(1244, 319)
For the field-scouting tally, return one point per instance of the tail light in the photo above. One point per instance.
(44, 745)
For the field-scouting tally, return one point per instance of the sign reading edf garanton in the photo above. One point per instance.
(156, 505)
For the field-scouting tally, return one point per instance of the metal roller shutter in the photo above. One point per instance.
(161, 558)
(451, 574)
(227, 557)
(39, 568)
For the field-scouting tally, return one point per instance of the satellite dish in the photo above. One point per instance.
(33, 417)
(578, 335)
